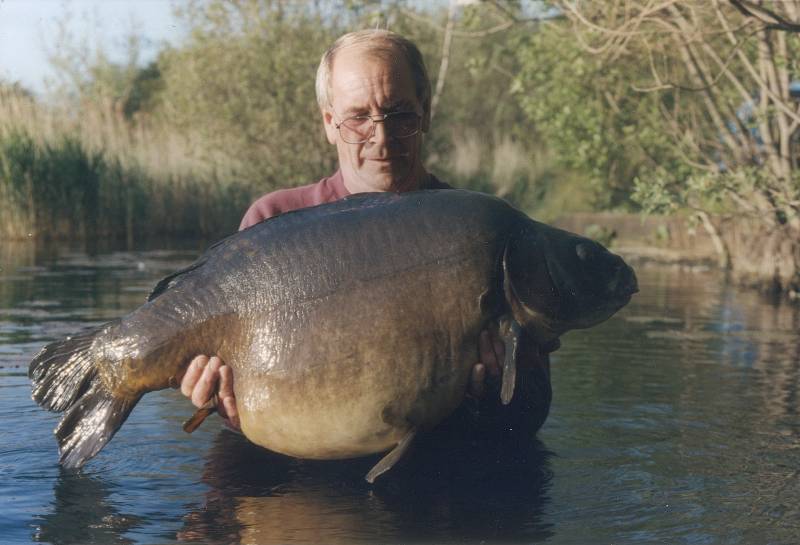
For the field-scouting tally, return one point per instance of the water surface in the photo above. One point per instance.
(674, 422)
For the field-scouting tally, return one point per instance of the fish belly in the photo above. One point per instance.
(351, 373)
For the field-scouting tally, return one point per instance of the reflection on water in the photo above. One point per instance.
(84, 498)
(258, 497)
(676, 421)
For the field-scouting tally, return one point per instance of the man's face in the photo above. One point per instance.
(363, 83)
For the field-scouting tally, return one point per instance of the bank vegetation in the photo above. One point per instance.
(664, 107)
(181, 146)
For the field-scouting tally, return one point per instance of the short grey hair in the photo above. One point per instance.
(378, 41)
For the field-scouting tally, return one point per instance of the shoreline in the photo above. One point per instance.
(666, 240)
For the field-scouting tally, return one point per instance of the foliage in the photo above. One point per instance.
(716, 85)
(231, 113)
(591, 118)
(477, 140)
(244, 83)
(145, 90)
(95, 174)
(719, 127)
(48, 177)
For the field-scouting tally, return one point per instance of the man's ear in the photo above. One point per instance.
(330, 125)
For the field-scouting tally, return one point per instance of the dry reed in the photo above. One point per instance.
(88, 171)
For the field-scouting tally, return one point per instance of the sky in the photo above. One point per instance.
(28, 29)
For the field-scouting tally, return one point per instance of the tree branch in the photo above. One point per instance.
(446, 43)
(771, 20)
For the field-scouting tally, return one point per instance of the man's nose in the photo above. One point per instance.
(379, 134)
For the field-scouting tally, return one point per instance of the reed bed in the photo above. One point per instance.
(87, 171)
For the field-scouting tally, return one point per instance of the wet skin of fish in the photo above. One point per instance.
(348, 326)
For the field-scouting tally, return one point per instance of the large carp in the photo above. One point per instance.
(348, 326)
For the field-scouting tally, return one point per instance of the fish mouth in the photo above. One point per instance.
(630, 285)
(617, 293)
(626, 286)
(623, 283)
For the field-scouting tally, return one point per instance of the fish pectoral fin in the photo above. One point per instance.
(387, 462)
(200, 415)
(509, 331)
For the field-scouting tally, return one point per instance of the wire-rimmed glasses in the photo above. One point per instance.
(360, 128)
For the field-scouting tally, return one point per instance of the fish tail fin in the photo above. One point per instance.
(62, 371)
(90, 423)
(65, 379)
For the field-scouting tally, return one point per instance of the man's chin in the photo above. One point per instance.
(387, 181)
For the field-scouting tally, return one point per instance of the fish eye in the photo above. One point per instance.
(585, 251)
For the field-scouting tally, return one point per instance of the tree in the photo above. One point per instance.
(719, 78)
(242, 88)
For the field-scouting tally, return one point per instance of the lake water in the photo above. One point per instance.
(674, 422)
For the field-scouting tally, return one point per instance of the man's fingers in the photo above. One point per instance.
(226, 381)
(228, 404)
(227, 398)
(207, 385)
(193, 374)
(477, 380)
(205, 377)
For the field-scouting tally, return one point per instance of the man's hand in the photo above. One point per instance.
(206, 377)
(492, 351)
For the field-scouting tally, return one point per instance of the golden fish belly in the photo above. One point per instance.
(356, 378)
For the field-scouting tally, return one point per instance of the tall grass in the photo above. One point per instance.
(88, 172)
(526, 176)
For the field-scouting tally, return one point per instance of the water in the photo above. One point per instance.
(674, 422)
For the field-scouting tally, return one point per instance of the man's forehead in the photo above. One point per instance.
(362, 75)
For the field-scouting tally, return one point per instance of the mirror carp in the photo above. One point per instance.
(348, 326)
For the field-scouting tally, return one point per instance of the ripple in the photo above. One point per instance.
(674, 422)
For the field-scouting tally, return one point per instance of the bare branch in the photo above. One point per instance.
(460, 33)
(510, 20)
(771, 20)
(723, 254)
(446, 43)
(699, 72)
(780, 103)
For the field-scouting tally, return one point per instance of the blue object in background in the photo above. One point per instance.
(794, 89)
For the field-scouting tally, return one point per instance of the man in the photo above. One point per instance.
(374, 95)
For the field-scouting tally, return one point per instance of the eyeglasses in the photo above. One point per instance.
(360, 128)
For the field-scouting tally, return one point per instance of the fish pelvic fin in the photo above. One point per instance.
(64, 378)
(509, 331)
(387, 462)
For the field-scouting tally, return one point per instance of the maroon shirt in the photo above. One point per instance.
(326, 190)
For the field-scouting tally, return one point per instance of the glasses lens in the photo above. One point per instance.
(358, 129)
(355, 130)
(402, 124)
